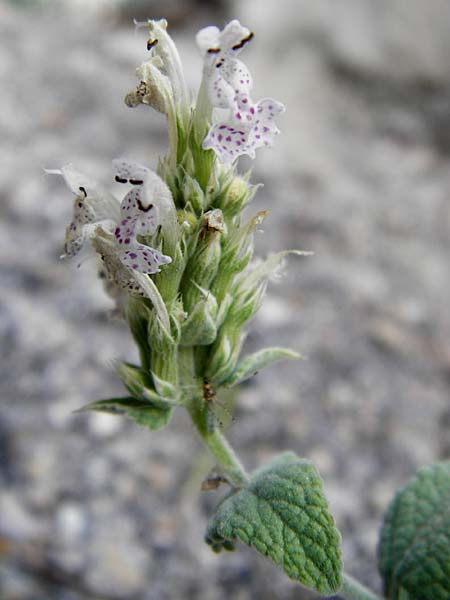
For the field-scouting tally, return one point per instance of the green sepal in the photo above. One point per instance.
(246, 304)
(224, 356)
(136, 380)
(200, 327)
(250, 365)
(193, 193)
(160, 337)
(203, 160)
(165, 389)
(142, 412)
(283, 514)
(234, 194)
(414, 548)
(202, 266)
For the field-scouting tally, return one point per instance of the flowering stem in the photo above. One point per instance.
(218, 445)
(353, 590)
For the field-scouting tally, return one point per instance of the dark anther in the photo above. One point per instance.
(242, 43)
(141, 207)
(220, 63)
(213, 50)
(151, 44)
(120, 179)
(83, 190)
(136, 181)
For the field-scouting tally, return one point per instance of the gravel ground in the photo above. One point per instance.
(92, 507)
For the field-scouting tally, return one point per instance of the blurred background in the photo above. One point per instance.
(93, 507)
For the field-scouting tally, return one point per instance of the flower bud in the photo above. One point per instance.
(224, 355)
(202, 267)
(237, 250)
(246, 305)
(235, 195)
(200, 329)
(160, 338)
(194, 194)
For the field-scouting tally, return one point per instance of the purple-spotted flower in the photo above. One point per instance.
(228, 83)
(245, 131)
(93, 205)
(139, 216)
(117, 230)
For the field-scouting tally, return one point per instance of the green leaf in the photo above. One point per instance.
(253, 363)
(414, 549)
(142, 412)
(283, 514)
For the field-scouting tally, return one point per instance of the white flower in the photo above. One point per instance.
(226, 76)
(139, 216)
(114, 228)
(245, 131)
(228, 83)
(93, 205)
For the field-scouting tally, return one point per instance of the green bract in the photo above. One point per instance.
(414, 550)
(283, 514)
(143, 412)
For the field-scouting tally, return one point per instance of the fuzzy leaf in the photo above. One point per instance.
(283, 514)
(414, 549)
(142, 412)
(253, 363)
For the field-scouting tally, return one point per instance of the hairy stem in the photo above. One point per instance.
(353, 590)
(218, 445)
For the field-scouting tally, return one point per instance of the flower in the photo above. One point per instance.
(116, 229)
(228, 83)
(93, 205)
(226, 76)
(246, 131)
(139, 216)
(161, 82)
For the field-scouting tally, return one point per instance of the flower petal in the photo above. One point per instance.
(226, 141)
(268, 109)
(128, 171)
(207, 38)
(234, 37)
(228, 82)
(144, 259)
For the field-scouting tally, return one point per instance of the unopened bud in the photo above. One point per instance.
(194, 194)
(203, 266)
(224, 355)
(200, 328)
(235, 196)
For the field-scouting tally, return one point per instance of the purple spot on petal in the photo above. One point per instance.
(228, 138)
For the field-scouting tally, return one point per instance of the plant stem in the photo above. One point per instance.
(353, 590)
(218, 445)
